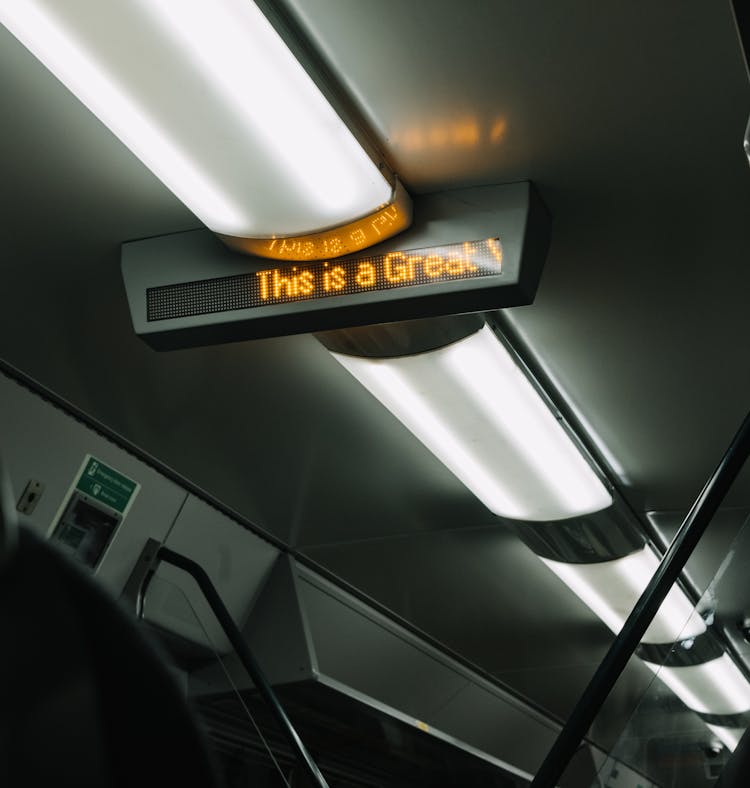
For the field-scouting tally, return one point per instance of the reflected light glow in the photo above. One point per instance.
(454, 134)
(497, 132)
(471, 405)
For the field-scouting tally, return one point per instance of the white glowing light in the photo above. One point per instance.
(611, 589)
(729, 737)
(714, 687)
(209, 97)
(475, 410)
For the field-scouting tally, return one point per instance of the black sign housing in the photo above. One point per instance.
(469, 250)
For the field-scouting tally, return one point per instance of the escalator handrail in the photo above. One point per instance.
(235, 637)
(624, 645)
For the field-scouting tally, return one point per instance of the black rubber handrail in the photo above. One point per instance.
(624, 645)
(249, 662)
(741, 13)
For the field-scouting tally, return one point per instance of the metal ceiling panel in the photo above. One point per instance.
(482, 594)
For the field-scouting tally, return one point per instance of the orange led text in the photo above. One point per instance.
(382, 272)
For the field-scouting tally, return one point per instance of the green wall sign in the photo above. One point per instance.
(105, 484)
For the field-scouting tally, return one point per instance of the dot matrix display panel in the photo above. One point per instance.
(329, 279)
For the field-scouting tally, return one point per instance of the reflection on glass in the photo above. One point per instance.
(241, 742)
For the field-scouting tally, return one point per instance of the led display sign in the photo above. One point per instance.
(328, 279)
(467, 250)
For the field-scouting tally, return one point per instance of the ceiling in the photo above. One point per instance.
(629, 119)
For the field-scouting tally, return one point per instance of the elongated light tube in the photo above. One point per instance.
(714, 687)
(611, 589)
(729, 737)
(211, 99)
(471, 405)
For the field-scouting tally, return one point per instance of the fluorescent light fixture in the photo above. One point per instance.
(474, 409)
(212, 100)
(714, 687)
(611, 589)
